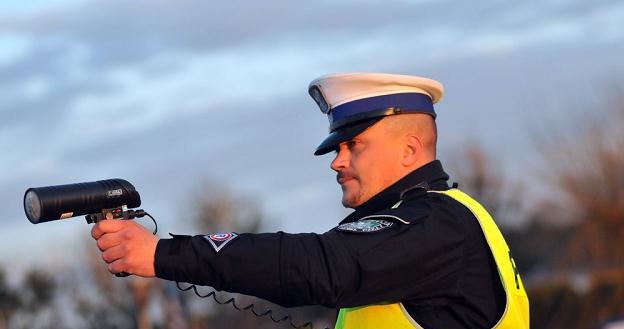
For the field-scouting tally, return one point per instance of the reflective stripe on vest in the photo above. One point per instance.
(516, 314)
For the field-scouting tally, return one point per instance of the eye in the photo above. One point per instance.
(347, 145)
(351, 144)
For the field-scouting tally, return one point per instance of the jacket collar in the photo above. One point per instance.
(430, 177)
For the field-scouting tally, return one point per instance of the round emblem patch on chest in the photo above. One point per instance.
(365, 226)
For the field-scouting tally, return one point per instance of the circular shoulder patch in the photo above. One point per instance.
(221, 236)
(219, 240)
(365, 226)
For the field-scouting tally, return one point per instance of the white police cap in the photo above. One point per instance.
(356, 101)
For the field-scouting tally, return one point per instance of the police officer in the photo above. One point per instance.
(414, 252)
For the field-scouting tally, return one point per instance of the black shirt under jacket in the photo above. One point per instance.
(429, 253)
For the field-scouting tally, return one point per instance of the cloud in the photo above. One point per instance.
(119, 33)
(164, 94)
(134, 66)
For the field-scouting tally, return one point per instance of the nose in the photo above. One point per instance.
(341, 161)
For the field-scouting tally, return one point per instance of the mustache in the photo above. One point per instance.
(344, 175)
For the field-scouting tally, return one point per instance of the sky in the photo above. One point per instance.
(173, 95)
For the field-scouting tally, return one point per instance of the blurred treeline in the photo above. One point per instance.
(566, 234)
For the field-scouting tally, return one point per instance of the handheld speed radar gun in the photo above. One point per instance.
(103, 199)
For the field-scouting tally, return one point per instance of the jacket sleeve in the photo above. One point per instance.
(335, 269)
(287, 269)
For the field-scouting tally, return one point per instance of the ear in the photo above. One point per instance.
(412, 151)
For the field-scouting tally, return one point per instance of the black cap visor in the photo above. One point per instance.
(344, 134)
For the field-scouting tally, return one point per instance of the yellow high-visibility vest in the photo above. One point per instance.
(394, 315)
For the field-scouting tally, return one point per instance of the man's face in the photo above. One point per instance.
(367, 164)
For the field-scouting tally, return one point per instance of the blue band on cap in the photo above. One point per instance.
(408, 102)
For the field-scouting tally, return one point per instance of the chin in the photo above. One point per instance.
(350, 203)
(347, 205)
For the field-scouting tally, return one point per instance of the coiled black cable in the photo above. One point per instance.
(251, 307)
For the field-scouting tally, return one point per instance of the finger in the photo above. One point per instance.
(108, 226)
(96, 232)
(108, 240)
(117, 266)
(115, 253)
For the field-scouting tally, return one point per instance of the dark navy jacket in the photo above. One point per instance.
(429, 253)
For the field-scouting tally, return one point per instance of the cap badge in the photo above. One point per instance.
(317, 95)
